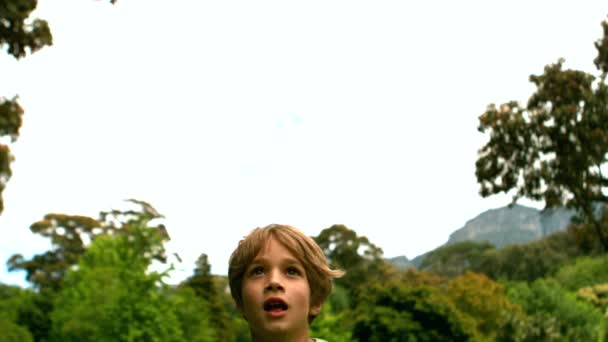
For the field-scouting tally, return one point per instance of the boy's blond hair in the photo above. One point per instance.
(303, 247)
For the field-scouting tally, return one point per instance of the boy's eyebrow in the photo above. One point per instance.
(288, 261)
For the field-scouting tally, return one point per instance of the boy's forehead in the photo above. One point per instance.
(274, 245)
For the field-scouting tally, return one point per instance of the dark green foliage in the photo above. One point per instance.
(27, 309)
(34, 315)
(338, 299)
(19, 35)
(68, 233)
(586, 271)
(12, 300)
(238, 325)
(397, 312)
(332, 325)
(10, 123)
(112, 297)
(553, 148)
(601, 61)
(10, 118)
(195, 317)
(455, 259)
(109, 294)
(356, 254)
(11, 332)
(585, 233)
(201, 282)
(344, 248)
(527, 262)
(205, 286)
(555, 314)
(486, 302)
(519, 262)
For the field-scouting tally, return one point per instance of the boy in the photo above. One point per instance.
(279, 279)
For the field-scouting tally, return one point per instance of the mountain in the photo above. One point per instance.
(509, 225)
(502, 227)
(401, 262)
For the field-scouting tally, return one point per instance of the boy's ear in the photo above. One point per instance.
(315, 309)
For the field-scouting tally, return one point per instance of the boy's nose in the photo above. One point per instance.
(274, 281)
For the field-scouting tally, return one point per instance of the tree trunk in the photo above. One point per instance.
(597, 225)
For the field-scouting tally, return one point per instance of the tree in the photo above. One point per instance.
(455, 259)
(583, 272)
(68, 234)
(12, 301)
(521, 262)
(12, 332)
(585, 236)
(202, 280)
(552, 149)
(416, 278)
(332, 324)
(395, 311)
(555, 314)
(529, 261)
(17, 34)
(486, 302)
(345, 248)
(203, 283)
(20, 36)
(238, 325)
(111, 296)
(10, 122)
(361, 259)
(195, 317)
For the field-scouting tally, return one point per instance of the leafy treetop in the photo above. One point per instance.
(553, 149)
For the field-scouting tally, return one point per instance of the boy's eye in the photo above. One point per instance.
(293, 271)
(257, 270)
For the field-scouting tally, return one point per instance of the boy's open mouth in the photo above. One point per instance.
(275, 304)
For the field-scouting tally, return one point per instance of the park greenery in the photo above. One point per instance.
(95, 283)
(105, 290)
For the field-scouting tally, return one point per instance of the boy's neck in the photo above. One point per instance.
(281, 338)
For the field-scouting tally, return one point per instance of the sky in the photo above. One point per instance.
(230, 115)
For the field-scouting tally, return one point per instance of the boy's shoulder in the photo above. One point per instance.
(318, 340)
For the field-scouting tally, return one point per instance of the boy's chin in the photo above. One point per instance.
(283, 326)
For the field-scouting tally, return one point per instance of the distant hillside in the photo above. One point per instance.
(401, 262)
(502, 227)
(507, 226)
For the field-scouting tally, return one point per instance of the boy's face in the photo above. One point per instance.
(276, 295)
